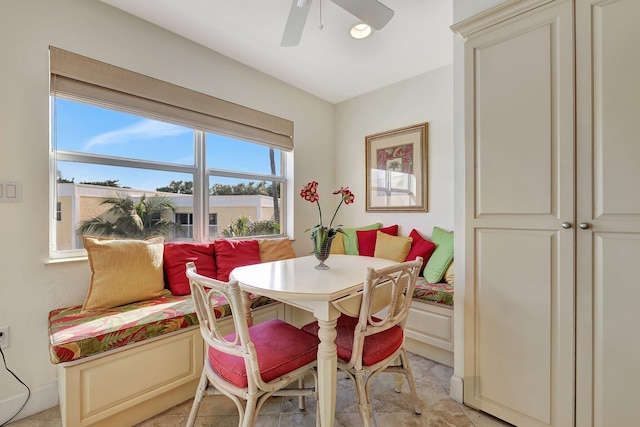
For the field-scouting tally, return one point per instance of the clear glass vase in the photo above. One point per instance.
(323, 253)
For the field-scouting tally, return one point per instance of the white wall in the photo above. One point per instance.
(425, 98)
(29, 287)
(463, 9)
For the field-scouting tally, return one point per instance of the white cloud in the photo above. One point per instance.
(144, 129)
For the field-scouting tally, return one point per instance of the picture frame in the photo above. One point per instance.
(396, 170)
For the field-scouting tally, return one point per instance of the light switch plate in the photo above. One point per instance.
(10, 192)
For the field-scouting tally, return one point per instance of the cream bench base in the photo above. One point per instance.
(429, 331)
(125, 386)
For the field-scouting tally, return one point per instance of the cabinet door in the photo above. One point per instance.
(519, 282)
(608, 269)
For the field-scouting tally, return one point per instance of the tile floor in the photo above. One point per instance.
(390, 408)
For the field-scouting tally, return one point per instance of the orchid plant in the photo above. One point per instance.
(320, 233)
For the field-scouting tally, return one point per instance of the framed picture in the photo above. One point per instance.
(396, 168)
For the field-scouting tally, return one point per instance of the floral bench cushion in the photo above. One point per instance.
(74, 335)
(438, 293)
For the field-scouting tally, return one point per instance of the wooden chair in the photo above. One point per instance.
(253, 363)
(370, 332)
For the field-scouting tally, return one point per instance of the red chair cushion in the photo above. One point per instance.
(376, 347)
(281, 348)
(177, 254)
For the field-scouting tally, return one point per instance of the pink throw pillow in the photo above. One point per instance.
(235, 253)
(420, 247)
(367, 239)
(176, 255)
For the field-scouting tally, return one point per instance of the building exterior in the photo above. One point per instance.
(78, 202)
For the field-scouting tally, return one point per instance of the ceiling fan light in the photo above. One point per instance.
(360, 30)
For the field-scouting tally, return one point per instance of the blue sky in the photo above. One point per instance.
(96, 130)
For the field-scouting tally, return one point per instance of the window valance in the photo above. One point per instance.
(94, 81)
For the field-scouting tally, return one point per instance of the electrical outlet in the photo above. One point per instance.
(4, 337)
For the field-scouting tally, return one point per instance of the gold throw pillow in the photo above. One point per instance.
(123, 271)
(275, 249)
(395, 248)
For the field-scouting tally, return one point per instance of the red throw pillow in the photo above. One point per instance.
(235, 253)
(420, 247)
(176, 255)
(367, 239)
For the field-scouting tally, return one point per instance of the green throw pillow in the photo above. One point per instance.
(442, 256)
(351, 239)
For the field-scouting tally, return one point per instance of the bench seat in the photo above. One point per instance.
(118, 367)
(74, 335)
(437, 293)
(429, 329)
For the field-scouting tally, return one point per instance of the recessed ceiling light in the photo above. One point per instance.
(360, 30)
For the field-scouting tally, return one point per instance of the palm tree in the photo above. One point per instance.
(128, 218)
(394, 165)
(244, 226)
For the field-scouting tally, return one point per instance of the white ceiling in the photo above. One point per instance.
(327, 63)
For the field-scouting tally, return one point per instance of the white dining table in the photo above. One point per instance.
(296, 282)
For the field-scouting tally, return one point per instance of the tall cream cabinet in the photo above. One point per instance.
(552, 222)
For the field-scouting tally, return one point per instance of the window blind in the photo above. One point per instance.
(104, 84)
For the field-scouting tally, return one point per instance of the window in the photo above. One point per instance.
(186, 222)
(188, 167)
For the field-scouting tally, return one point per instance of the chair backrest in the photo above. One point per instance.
(206, 293)
(386, 299)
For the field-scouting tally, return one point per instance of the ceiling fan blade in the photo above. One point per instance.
(372, 12)
(295, 22)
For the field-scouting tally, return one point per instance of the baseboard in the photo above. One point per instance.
(41, 399)
(456, 387)
(429, 351)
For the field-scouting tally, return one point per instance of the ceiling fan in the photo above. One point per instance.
(371, 12)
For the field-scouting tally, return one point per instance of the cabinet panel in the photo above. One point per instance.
(513, 124)
(616, 343)
(616, 116)
(431, 324)
(515, 321)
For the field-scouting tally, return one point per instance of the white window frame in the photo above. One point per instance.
(71, 70)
